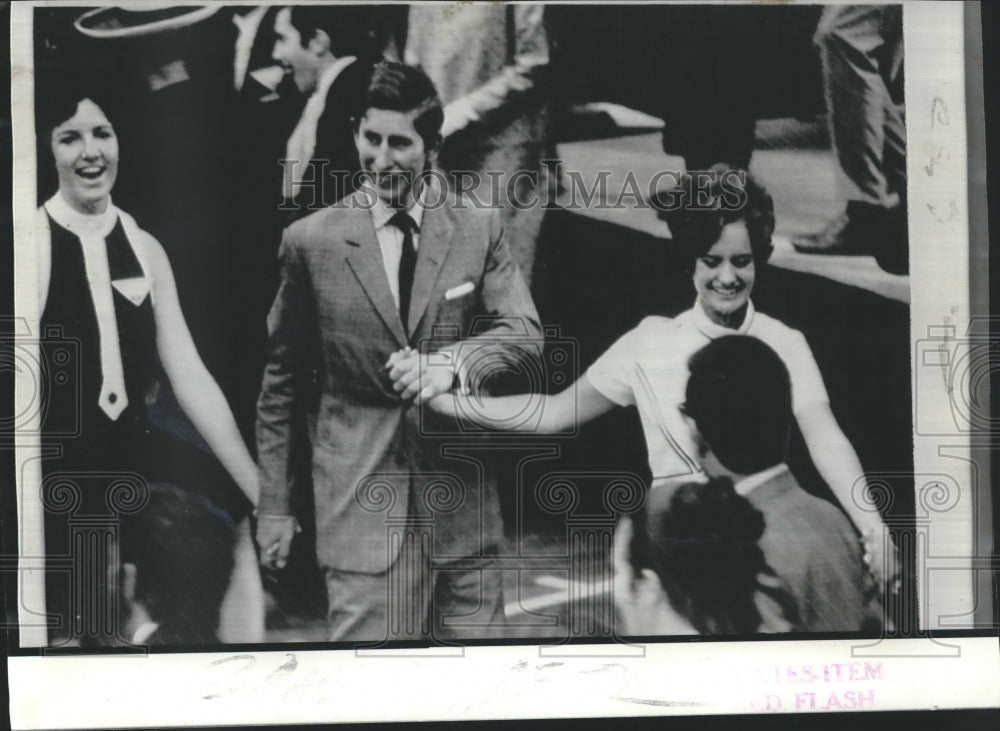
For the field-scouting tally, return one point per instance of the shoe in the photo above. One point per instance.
(852, 233)
(864, 229)
(893, 255)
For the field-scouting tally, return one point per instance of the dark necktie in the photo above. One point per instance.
(407, 263)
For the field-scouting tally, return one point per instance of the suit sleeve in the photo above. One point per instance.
(509, 338)
(840, 590)
(284, 390)
(519, 78)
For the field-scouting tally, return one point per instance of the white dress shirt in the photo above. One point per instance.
(390, 238)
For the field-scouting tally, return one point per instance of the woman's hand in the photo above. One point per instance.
(838, 465)
(444, 403)
(881, 555)
(274, 536)
(420, 376)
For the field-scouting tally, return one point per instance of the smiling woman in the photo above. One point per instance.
(107, 285)
(724, 233)
(85, 148)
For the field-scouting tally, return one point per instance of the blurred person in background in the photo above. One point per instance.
(861, 47)
(327, 52)
(490, 65)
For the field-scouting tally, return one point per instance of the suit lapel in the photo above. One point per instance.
(364, 256)
(435, 245)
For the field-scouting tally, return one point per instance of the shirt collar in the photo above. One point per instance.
(82, 224)
(382, 214)
(713, 329)
(747, 484)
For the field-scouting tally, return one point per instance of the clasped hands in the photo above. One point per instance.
(274, 536)
(415, 376)
(420, 376)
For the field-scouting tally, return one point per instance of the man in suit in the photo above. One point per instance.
(739, 399)
(327, 53)
(400, 264)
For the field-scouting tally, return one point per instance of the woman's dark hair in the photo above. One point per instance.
(705, 201)
(704, 550)
(183, 549)
(739, 396)
(400, 88)
(56, 101)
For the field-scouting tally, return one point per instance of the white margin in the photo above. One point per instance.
(518, 682)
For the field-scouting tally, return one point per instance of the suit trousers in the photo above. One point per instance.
(414, 601)
(862, 52)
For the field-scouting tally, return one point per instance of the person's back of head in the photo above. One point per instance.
(350, 29)
(739, 397)
(182, 547)
(703, 548)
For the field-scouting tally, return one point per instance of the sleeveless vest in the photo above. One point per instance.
(72, 417)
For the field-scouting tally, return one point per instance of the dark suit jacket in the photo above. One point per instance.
(332, 327)
(813, 548)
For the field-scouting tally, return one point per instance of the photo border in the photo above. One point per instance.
(335, 685)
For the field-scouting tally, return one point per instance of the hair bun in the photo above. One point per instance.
(714, 511)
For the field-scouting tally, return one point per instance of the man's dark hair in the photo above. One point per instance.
(400, 88)
(350, 28)
(183, 550)
(739, 396)
(698, 209)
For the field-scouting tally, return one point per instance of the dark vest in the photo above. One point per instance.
(81, 446)
(72, 417)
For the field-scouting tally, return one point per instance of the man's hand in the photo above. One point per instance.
(274, 536)
(420, 377)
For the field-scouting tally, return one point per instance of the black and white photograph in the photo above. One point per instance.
(649, 337)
